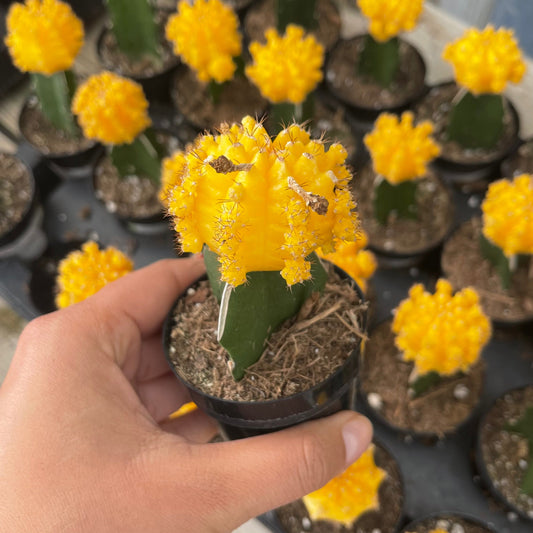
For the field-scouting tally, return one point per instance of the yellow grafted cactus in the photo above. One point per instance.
(84, 272)
(171, 172)
(111, 109)
(508, 215)
(206, 35)
(262, 204)
(286, 68)
(358, 263)
(399, 150)
(441, 332)
(484, 61)
(346, 497)
(43, 36)
(388, 18)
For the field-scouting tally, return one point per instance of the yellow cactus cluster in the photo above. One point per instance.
(262, 204)
(172, 168)
(400, 151)
(111, 109)
(43, 36)
(485, 60)
(390, 17)
(286, 68)
(346, 497)
(508, 215)
(84, 272)
(441, 332)
(358, 263)
(206, 35)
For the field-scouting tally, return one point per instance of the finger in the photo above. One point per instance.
(162, 396)
(196, 427)
(151, 363)
(305, 458)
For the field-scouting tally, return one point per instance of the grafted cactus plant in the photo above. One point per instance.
(524, 427)
(260, 208)
(84, 272)
(286, 69)
(400, 153)
(507, 234)
(380, 57)
(44, 38)
(442, 333)
(299, 12)
(484, 61)
(346, 497)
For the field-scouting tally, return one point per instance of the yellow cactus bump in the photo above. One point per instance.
(262, 204)
(390, 17)
(206, 35)
(484, 61)
(508, 215)
(400, 151)
(43, 36)
(441, 332)
(346, 497)
(111, 109)
(171, 171)
(84, 272)
(286, 68)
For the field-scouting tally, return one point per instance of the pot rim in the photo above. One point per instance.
(449, 515)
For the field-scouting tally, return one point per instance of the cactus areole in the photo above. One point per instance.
(259, 208)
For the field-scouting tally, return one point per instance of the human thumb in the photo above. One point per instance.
(260, 473)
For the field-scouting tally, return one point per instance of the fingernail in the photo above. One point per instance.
(357, 434)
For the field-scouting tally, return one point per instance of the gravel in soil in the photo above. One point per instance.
(521, 162)
(451, 524)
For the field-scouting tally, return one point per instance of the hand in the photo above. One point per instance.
(85, 440)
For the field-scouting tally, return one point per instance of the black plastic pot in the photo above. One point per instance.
(464, 172)
(431, 522)
(482, 466)
(246, 419)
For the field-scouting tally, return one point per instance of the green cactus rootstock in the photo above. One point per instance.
(55, 94)
(251, 312)
(141, 158)
(494, 254)
(380, 60)
(400, 199)
(285, 113)
(476, 121)
(524, 427)
(299, 12)
(134, 28)
(422, 384)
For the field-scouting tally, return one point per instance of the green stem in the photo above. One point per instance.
(134, 27)
(285, 113)
(140, 158)
(494, 254)
(215, 90)
(476, 121)
(55, 96)
(380, 60)
(400, 199)
(299, 12)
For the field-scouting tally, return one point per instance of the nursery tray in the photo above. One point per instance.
(438, 477)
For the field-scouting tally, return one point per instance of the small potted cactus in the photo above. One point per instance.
(44, 38)
(259, 208)
(500, 244)
(114, 111)
(405, 208)
(134, 45)
(474, 123)
(448, 523)
(366, 497)
(211, 87)
(320, 17)
(422, 372)
(378, 71)
(504, 453)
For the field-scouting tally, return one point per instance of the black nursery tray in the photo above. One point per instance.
(438, 477)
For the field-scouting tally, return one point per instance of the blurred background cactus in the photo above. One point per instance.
(400, 153)
(44, 38)
(484, 61)
(524, 427)
(299, 12)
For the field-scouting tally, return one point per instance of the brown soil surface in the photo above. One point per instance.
(294, 517)
(437, 411)
(462, 251)
(298, 356)
(402, 235)
(345, 82)
(436, 106)
(16, 191)
(505, 454)
(451, 524)
(521, 162)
